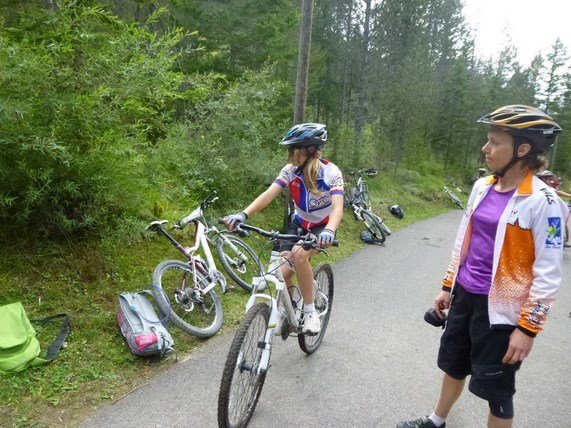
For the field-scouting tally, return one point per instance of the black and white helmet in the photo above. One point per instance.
(305, 135)
(396, 211)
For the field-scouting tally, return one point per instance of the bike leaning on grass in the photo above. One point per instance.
(360, 192)
(360, 202)
(185, 290)
(248, 359)
(453, 197)
(374, 223)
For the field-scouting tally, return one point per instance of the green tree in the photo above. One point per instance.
(84, 97)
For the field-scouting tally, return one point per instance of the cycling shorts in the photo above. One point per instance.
(470, 346)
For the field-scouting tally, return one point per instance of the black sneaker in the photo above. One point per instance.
(423, 422)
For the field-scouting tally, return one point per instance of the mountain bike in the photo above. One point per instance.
(374, 223)
(185, 290)
(360, 192)
(360, 202)
(453, 197)
(248, 359)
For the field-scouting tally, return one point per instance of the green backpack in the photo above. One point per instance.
(19, 346)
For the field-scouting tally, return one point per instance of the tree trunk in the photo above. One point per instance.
(360, 109)
(303, 61)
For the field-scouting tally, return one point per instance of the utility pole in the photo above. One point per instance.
(303, 61)
(300, 87)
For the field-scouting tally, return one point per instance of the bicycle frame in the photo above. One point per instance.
(277, 280)
(359, 192)
(201, 241)
(274, 276)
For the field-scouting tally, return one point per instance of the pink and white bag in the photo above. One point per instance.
(142, 329)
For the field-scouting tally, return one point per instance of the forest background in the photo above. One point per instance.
(114, 113)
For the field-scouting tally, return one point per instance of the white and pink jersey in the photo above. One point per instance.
(311, 209)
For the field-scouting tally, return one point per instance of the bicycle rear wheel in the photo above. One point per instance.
(241, 385)
(374, 226)
(240, 262)
(323, 275)
(179, 291)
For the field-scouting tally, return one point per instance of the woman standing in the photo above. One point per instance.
(505, 271)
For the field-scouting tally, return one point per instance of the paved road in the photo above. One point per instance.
(377, 362)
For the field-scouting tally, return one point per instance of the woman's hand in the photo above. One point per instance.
(519, 347)
(442, 302)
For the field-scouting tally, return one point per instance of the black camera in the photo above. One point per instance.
(431, 318)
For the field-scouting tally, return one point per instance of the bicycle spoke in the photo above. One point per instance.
(179, 292)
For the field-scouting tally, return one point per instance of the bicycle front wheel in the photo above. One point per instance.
(374, 226)
(179, 291)
(239, 260)
(241, 383)
(385, 228)
(323, 275)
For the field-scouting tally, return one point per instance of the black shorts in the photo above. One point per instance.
(296, 229)
(470, 346)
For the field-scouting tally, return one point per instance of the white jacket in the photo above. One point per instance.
(528, 253)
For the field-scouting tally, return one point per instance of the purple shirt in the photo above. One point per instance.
(475, 274)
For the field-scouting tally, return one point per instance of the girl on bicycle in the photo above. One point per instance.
(316, 187)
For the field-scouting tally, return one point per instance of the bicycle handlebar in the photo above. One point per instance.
(371, 172)
(210, 199)
(309, 240)
(213, 197)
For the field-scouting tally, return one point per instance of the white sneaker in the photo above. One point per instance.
(279, 324)
(311, 323)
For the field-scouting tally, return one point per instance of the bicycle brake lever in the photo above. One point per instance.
(243, 233)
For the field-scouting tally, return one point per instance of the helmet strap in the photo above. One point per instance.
(310, 155)
(515, 159)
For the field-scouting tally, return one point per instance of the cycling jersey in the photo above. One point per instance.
(527, 256)
(312, 209)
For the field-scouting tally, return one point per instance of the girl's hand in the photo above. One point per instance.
(233, 220)
(325, 239)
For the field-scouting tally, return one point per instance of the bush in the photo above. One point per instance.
(407, 176)
(85, 98)
(236, 140)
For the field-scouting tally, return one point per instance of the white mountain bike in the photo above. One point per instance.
(453, 197)
(185, 290)
(248, 359)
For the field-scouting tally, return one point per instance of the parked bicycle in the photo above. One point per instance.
(374, 223)
(185, 290)
(248, 359)
(360, 192)
(454, 198)
(360, 202)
